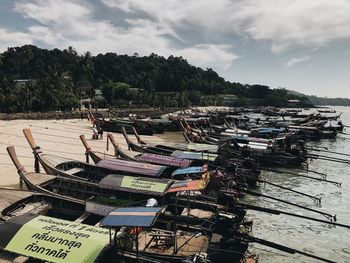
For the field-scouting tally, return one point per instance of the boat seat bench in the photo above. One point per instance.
(74, 171)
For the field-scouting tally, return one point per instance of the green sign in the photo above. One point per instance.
(57, 240)
(142, 184)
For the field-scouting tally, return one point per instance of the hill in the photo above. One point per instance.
(323, 100)
(36, 79)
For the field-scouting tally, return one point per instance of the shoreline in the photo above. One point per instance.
(57, 137)
(65, 115)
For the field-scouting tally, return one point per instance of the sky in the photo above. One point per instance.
(301, 45)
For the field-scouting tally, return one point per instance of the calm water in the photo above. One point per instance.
(312, 237)
(320, 239)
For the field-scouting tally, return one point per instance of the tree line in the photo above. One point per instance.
(58, 79)
(329, 101)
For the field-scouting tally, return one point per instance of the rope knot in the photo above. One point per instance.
(21, 169)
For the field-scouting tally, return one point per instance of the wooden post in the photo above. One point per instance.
(36, 163)
(137, 246)
(87, 157)
(175, 226)
(20, 183)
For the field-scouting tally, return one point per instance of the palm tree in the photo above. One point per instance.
(26, 56)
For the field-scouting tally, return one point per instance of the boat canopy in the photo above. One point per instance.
(254, 146)
(53, 240)
(271, 130)
(145, 169)
(240, 138)
(135, 184)
(187, 185)
(165, 160)
(198, 147)
(190, 170)
(195, 155)
(237, 131)
(131, 217)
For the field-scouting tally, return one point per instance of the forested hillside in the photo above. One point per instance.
(329, 101)
(59, 78)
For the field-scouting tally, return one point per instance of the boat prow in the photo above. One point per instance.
(28, 134)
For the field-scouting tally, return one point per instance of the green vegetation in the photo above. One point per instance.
(56, 80)
(329, 101)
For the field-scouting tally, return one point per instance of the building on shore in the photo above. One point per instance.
(229, 99)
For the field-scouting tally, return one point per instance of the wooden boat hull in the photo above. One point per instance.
(115, 126)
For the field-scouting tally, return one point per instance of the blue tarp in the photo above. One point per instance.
(189, 170)
(241, 138)
(270, 130)
(131, 216)
(194, 155)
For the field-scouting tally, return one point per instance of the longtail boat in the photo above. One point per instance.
(104, 169)
(116, 191)
(175, 244)
(116, 124)
(57, 240)
(25, 202)
(137, 157)
(57, 165)
(120, 187)
(238, 174)
(266, 156)
(56, 205)
(39, 238)
(184, 152)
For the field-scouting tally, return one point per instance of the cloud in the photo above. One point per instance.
(284, 23)
(14, 38)
(209, 56)
(72, 23)
(122, 5)
(54, 12)
(295, 60)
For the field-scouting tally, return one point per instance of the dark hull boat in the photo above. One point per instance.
(243, 170)
(264, 151)
(229, 151)
(163, 160)
(112, 168)
(187, 241)
(180, 210)
(313, 133)
(176, 150)
(178, 165)
(57, 165)
(25, 202)
(126, 189)
(154, 243)
(115, 125)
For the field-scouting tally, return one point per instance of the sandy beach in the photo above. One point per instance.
(58, 137)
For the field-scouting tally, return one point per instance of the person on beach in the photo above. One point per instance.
(100, 133)
(94, 133)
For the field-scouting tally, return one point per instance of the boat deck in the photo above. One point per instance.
(8, 197)
(163, 242)
(38, 178)
(197, 213)
(53, 160)
(7, 257)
